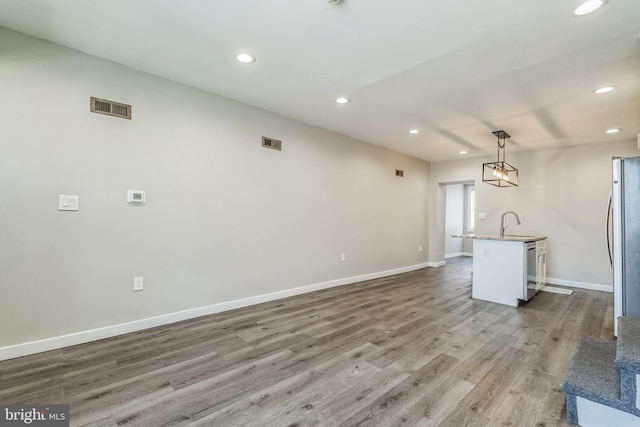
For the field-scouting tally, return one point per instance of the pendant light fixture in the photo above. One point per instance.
(500, 173)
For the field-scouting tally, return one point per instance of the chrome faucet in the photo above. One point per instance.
(502, 227)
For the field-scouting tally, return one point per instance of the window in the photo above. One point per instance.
(471, 209)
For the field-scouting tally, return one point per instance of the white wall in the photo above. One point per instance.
(563, 194)
(454, 219)
(225, 219)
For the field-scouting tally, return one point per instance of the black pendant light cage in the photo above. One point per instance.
(500, 173)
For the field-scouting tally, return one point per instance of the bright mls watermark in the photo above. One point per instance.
(34, 415)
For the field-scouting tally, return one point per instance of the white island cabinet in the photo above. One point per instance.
(508, 269)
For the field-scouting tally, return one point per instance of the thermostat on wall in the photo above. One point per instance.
(135, 196)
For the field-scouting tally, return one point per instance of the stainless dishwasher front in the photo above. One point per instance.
(531, 271)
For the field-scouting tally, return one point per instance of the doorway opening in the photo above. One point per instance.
(459, 218)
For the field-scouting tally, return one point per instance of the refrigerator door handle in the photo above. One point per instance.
(608, 229)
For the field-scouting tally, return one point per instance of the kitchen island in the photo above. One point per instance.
(509, 269)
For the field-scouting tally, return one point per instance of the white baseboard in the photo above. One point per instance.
(436, 264)
(54, 343)
(458, 254)
(580, 285)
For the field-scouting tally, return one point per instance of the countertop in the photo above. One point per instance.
(507, 237)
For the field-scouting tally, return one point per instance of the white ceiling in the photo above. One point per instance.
(455, 69)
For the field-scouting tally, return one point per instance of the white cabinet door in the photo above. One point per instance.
(541, 263)
(499, 271)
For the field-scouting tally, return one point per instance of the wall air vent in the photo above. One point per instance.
(400, 173)
(110, 108)
(274, 144)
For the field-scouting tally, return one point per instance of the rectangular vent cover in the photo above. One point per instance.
(400, 173)
(110, 108)
(274, 144)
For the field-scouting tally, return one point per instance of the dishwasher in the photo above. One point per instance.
(532, 282)
(535, 268)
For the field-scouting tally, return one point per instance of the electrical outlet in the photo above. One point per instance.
(138, 283)
(343, 257)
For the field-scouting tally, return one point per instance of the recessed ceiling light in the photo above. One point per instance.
(414, 131)
(245, 58)
(604, 89)
(342, 100)
(463, 152)
(588, 7)
(614, 130)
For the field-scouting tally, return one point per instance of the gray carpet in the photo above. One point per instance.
(592, 373)
(628, 358)
(628, 354)
(601, 370)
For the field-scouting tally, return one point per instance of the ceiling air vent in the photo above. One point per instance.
(274, 144)
(400, 173)
(110, 108)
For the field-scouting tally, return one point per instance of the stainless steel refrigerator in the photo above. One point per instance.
(623, 237)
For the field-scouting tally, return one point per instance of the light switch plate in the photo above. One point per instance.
(482, 215)
(68, 203)
(138, 283)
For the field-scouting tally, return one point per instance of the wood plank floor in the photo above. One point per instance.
(412, 350)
